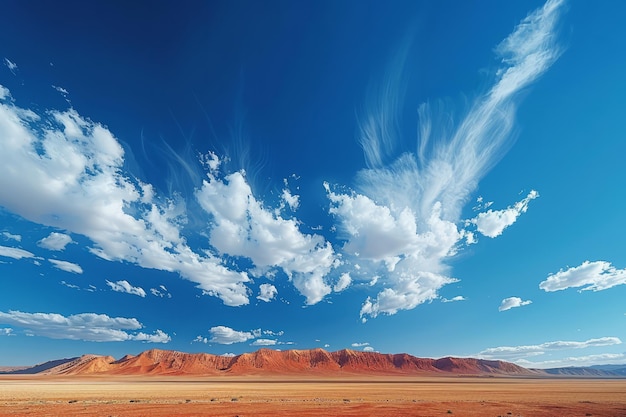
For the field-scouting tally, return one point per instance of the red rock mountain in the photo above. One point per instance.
(314, 362)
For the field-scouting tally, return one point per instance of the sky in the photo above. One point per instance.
(437, 178)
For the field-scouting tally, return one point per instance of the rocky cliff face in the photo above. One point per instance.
(271, 362)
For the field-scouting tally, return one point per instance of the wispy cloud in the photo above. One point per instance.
(125, 287)
(344, 282)
(66, 266)
(55, 241)
(85, 326)
(587, 360)
(453, 299)
(513, 302)
(264, 342)
(7, 331)
(15, 253)
(160, 292)
(12, 66)
(594, 276)
(403, 216)
(516, 352)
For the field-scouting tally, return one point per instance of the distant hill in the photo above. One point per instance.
(314, 362)
(271, 362)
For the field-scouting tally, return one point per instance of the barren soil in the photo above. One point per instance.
(363, 396)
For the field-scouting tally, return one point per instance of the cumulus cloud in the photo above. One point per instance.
(15, 253)
(124, 286)
(227, 336)
(62, 170)
(7, 331)
(55, 241)
(493, 222)
(360, 344)
(264, 342)
(517, 352)
(10, 236)
(66, 266)
(368, 349)
(512, 302)
(244, 227)
(344, 282)
(267, 292)
(402, 220)
(594, 276)
(89, 327)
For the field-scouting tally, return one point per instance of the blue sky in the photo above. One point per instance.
(426, 177)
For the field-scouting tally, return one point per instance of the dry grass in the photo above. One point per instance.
(456, 396)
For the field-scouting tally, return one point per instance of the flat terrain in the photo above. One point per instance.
(363, 396)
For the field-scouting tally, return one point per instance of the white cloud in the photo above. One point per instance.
(368, 349)
(587, 360)
(453, 299)
(516, 352)
(200, 339)
(72, 286)
(65, 171)
(293, 201)
(10, 236)
(404, 213)
(594, 276)
(360, 344)
(493, 222)
(160, 292)
(61, 90)
(124, 286)
(512, 302)
(7, 331)
(244, 227)
(5, 94)
(227, 336)
(267, 292)
(264, 342)
(344, 282)
(55, 241)
(273, 333)
(15, 253)
(66, 266)
(85, 326)
(12, 66)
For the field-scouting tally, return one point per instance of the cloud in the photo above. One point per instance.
(453, 299)
(267, 292)
(124, 286)
(55, 241)
(343, 283)
(516, 352)
(12, 66)
(72, 286)
(401, 220)
(65, 171)
(66, 266)
(227, 336)
(368, 349)
(61, 90)
(587, 360)
(89, 327)
(594, 276)
(264, 342)
(160, 292)
(493, 222)
(360, 344)
(7, 331)
(15, 253)
(228, 355)
(10, 236)
(512, 302)
(244, 227)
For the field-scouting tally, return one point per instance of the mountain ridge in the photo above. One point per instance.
(311, 362)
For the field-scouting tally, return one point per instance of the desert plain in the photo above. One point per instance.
(116, 396)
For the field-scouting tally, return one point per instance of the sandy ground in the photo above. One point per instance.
(456, 396)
